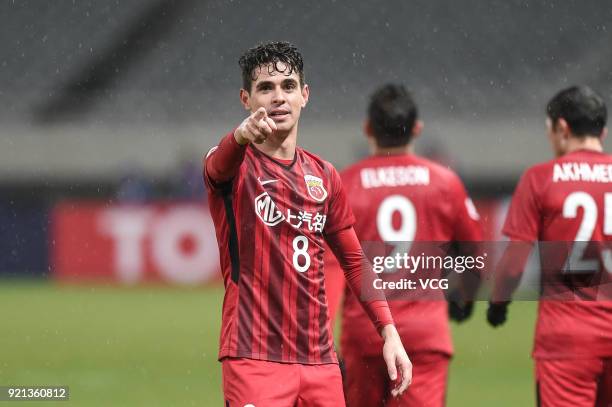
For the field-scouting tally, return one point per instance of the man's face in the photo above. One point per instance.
(280, 94)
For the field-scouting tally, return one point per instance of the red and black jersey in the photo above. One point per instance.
(558, 203)
(271, 220)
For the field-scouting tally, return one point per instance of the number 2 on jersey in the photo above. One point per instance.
(579, 199)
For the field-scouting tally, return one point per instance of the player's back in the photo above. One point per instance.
(424, 195)
(566, 203)
(406, 198)
(581, 179)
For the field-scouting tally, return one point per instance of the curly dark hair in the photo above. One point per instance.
(271, 54)
(392, 113)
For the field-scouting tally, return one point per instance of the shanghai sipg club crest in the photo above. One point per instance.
(315, 188)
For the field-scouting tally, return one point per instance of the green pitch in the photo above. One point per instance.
(157, 346)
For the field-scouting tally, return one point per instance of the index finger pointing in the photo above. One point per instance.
(259, 114)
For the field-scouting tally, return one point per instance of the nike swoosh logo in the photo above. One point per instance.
(267, 181)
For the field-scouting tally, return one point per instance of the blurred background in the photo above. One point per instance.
(108, 261)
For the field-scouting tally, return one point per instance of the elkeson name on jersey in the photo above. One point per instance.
(585, 172)
(394, 176)
(271, 221)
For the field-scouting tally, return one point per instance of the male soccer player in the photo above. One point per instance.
(397, 196)
(568, 199)
(274, 205)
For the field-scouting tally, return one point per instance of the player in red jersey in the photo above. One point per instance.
(399, 196)
(568, 199)
(274, 205)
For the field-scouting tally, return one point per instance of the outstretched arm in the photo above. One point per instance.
(223, 161)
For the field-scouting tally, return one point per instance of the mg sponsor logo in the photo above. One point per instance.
(266, 210)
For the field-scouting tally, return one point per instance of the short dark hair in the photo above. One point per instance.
(271, 53)
(584, 110)
(392, 114)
